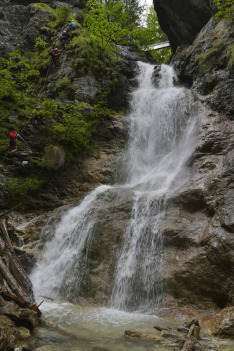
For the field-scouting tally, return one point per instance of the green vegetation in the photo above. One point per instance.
(19, 188)
(107, 23)
(225, 10)
(152, 33)
(203, 58)
(231, 56)
(92, 48)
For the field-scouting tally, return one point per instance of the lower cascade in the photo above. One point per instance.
(162, 138)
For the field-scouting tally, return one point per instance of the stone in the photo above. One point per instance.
(169, 334)
(54, 158)
(223, 323)
(181, 20)
(9, 334)
(207, 65)
(24, 333)
(21, 316)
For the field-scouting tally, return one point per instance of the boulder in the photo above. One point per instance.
(181, 20)
(22, 317)
(222, 323)
(54, 158)
(9, 334)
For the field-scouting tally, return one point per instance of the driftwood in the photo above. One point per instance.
(158, 328)
(13, 273)
(189, 344)
(6, 236)
(21, 302)
(192, 336)
(11, 281)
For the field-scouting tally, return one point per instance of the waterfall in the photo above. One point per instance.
(161, 141)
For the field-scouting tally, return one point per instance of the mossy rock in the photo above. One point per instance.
(54, 158)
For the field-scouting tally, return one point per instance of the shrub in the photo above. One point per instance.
(19, 188)
(225, 10)
(63, 15)
(40, 44)
(64, 85)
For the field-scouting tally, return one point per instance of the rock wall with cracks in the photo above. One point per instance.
(199, 223)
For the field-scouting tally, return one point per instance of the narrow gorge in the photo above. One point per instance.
(136, 229)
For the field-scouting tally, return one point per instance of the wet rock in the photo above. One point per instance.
(26, 259)
(169, 334)
(9, 334)
(143, 336)
(156, 76)
(22, 317)
(24, 333)
(223, 323)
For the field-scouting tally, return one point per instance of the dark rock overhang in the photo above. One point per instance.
(181, 20)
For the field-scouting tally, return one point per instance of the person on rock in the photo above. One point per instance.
(73, 25)
(65, 38)
(13, 136)
(55, 54)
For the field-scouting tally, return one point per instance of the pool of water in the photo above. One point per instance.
(102, 329)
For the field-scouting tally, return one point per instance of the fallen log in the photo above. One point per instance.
(13, 265)
(20, 275)
(189, 344)
(6, 236)
(20, 302)
(158, 328)
(192, 336)
(11, 281)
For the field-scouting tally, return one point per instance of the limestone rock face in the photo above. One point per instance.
(198, 225)
(207, 66)
(181, 20)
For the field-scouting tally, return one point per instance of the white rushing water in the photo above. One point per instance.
(162, 138)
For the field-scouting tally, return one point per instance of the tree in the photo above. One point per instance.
(107, 22)
(151, 33)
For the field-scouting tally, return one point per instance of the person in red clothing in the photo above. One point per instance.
(55, 53)
(12, 138)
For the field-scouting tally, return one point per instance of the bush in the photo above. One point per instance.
(63, 15)
(225, 10)
(65, 86)
(19, 188)
(40, 44)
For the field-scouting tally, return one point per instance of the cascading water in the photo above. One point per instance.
(161, 141)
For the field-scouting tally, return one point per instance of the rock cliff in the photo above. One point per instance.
(198, 228)
(198, 225)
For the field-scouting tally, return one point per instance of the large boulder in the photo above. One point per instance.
(222, 323)
(54, 158)
(181, 20)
